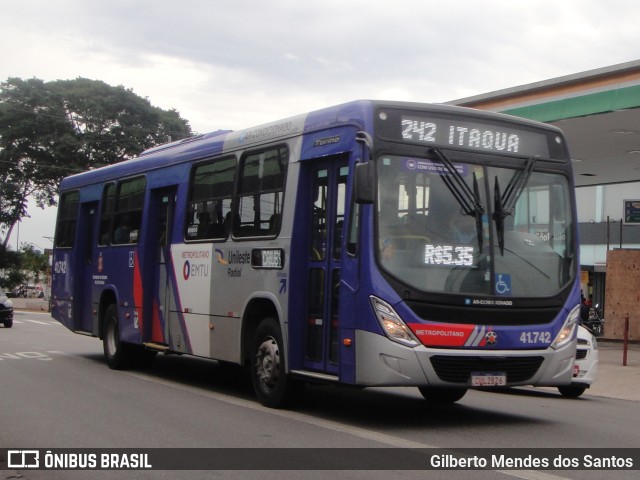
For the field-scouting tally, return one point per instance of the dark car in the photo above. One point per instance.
(6, 310)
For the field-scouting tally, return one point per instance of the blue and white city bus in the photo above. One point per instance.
(367, 244)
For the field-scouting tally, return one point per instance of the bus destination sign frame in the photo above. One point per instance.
(434, 129)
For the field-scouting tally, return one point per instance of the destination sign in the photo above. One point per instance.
(473, 135)
(267, 258)
(464, 129)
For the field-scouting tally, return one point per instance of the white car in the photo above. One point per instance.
(585, 367)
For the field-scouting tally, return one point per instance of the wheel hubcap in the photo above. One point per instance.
(268, 363)
(111, 338)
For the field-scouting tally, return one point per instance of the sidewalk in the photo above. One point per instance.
(613, 379)
(36, 304)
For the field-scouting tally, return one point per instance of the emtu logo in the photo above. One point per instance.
(220, 257)
(195, 270)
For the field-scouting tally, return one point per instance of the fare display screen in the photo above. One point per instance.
(469, 133)
(448, 255)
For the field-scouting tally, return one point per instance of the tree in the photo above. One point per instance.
(34, 262)
(10, 272)
(27, 265)
(49, 130)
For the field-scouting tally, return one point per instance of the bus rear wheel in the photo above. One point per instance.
(273, 387)
(442, 395)
(117, 354)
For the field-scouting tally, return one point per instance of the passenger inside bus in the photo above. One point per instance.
(122, 232)
(274, 223)
(204, 225)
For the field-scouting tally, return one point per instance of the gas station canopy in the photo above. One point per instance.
(598, 110)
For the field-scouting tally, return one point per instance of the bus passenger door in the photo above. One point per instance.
(327, 212)
(84, 319)
(159, 245)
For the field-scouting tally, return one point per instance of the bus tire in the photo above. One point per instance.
(442, 395)
(117, 354)
(273, 387)
(572, 391)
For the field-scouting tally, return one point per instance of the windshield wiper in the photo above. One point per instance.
(468, 199)
(504, 204)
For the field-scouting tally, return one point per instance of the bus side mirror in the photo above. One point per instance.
(364, 185)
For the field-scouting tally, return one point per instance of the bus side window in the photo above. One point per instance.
(67, 218)
(128, 217)
(354, 229)
(108, 207)
(209, 202)
(340, 212)
(261, 193)
(319, 215)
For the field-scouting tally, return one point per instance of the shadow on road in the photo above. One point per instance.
(366, 408)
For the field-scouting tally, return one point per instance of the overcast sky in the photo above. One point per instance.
(239, 63)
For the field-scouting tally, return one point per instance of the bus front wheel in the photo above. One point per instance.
(116, 353)
(442, 395)
(273, 387)
(572, 391)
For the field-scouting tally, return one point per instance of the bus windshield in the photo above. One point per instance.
(450, 226)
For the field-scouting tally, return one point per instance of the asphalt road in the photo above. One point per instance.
(57, 392)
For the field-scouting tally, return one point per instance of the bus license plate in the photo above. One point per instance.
(488, 379)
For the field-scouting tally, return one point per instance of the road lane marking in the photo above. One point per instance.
(39, 322)
(300, 417)
(24, 356)
(363, 433)
(49, 323)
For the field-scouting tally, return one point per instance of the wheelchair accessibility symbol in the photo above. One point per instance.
(503, 284)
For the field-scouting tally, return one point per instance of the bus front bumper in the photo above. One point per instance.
(382, 362)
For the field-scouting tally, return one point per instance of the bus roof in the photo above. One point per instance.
(359, 112)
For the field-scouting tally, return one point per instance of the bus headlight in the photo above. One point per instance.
(565, 335)
(392, 324)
